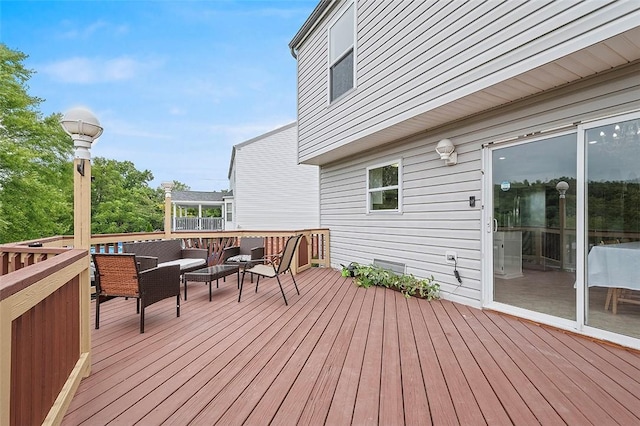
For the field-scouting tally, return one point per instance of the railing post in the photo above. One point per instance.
(168, 186)
(5, 363)
(81, 240)
(84, 128)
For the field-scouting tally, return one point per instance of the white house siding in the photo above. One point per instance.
(271, 190)
(415, 56)
(436, 214)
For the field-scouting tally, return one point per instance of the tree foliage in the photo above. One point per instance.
(612, 206)
(36, 172)
(36, 184)
(121, 199)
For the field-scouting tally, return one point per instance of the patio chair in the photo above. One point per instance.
(250, 249)
(273, 267)
(250, 252)
(119, 275)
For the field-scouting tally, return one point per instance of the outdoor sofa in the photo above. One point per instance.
(169, 252)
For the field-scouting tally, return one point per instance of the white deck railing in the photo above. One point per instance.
(198, 224)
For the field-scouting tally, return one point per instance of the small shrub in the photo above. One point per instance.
(372, 275)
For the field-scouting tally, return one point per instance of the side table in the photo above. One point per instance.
(209, 274)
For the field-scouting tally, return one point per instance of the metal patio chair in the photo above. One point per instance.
(274, 266)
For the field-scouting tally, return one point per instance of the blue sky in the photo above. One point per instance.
(175, 84)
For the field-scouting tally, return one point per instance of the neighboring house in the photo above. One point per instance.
(271, 190)
(541, 102)
(201, 203)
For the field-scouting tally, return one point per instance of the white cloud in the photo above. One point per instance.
(81, 32)
(243, 132)
(177, 111)
(82, 70)
(214, 91)
(135, 131)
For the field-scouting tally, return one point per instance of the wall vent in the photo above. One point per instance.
(395, 267)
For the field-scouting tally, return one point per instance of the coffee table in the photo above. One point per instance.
(209, 274)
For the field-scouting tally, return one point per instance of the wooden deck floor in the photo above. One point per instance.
(339, 355)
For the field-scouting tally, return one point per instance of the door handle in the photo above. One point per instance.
(489, 226)
(495, 225)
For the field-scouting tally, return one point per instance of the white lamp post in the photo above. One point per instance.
(167, 186)
(84, 128)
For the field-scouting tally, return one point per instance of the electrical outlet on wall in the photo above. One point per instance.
(451, 256)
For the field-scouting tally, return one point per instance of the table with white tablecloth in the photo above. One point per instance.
(615, 266)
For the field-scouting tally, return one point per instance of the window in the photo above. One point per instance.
(229, 212)
(384, 190)
(341, 55)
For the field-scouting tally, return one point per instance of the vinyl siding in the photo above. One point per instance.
(413, 57)
(436, 214)
(272, 191)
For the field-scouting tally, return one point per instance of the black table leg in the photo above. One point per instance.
(184, 279)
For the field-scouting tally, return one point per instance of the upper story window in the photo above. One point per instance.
(384, 189)
(341, 54)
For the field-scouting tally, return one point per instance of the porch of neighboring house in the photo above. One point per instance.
(194, 210)
(339, 354)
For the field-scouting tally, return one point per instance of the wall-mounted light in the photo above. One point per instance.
(447, 151)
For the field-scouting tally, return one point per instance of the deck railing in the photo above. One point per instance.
(45, 306)
(198, 223)
(44, 332)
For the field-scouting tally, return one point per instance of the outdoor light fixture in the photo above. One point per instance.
(447, 151)
(167, 186)
(562, 187)
(83, 127)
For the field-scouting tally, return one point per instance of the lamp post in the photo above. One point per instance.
(562, 188)
(84, 128)
(168, 186)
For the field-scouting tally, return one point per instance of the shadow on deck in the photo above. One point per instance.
(339, 354)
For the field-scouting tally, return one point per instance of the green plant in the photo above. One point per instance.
(372, 275)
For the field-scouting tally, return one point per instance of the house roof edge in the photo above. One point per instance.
(311, 21)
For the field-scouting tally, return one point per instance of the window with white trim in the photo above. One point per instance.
(341, 54)
(229, 211)
(384, 189)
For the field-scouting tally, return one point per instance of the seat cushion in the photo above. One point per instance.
(188, 263)
(241, 258)
(264, 270)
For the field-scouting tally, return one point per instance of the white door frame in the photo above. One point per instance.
(581, 242)
(487, 237)
(581, 226)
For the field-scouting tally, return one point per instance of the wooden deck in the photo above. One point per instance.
(339, 355)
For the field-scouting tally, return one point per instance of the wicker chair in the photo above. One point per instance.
(250, 250)
(119, 275)
(275, 266)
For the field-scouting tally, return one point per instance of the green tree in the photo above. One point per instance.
(121, 199)
(36, 176)
(36, 183)
(179, 186)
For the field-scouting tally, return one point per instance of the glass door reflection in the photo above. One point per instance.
(534, 211)
(613, 221)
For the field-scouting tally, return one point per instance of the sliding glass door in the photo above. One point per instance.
(533, 229)
(612, 237)
(563, 227)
